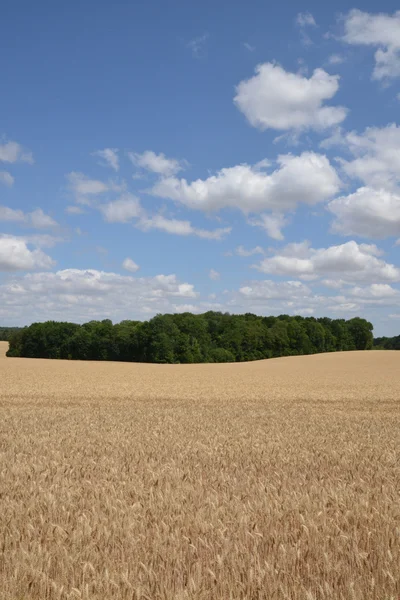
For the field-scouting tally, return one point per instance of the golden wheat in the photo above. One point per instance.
(277, 479)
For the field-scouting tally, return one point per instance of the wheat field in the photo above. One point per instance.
(275, 479)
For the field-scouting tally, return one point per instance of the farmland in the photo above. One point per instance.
(275, 479)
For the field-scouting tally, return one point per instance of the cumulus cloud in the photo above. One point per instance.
(109, 157)
(276, 297)
(197, 45)
(36, 219)
(6, 178)
(376, 155)
(375, 291)
(267, 289)
(39, 219)
(349, 262)
(85, 190)
(123, 210)
(241, 251)
(277, 99)
(381, 31)
(336, 59)
(83, 185)
(180, 227)
(43, 240)
(248, 46)
(305, 19)
(130, 265)
(272, 224)
(12, 152)
(373, 210)
(157, 163)
(74, 210)
(295, 297)
(308, 178)
(81, 295)
(367, 213)
(15, 255)
(214, 275)
(128, 208)
(10, 214)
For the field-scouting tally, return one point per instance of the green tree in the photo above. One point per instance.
(361, 332)
(188, 338)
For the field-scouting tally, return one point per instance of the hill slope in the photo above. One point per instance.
(341, 375)
(275, 479)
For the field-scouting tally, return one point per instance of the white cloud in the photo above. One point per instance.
(268, 289)
(305, 19)
(249, 47)
(36, 219)
(375, 291)
(43, 240)
(82, 295)
(295, 297)
(374, 209)
(16, 256)
(85, 189)
(376, 152)
(123, 210)
(74, 210)
(128, 208)
(341, 306)
(381, 31)
(308, 178)
(241, 251)
(367, 213)
(183, 308)
(183, 290)
(179, 227)
(6, 178)
(273, 298)
(276, 99)
(334, 284)
(336, 59)
(197, 45)
(109, 157)
(11, 214)
(12, 152)
(272, 224)
(39, 219)
(83, 185)
(214, 275)
(130, 265)
(349, 262)
(157, 163)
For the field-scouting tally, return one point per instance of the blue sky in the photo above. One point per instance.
(162, 157)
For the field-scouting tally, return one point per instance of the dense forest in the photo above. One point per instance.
(7, 332)
(387, 343)
(188, 338)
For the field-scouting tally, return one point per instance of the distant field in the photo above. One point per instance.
(276, 479)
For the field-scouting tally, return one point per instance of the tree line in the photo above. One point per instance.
(7, 332)
(387, 343)
(187, 338)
